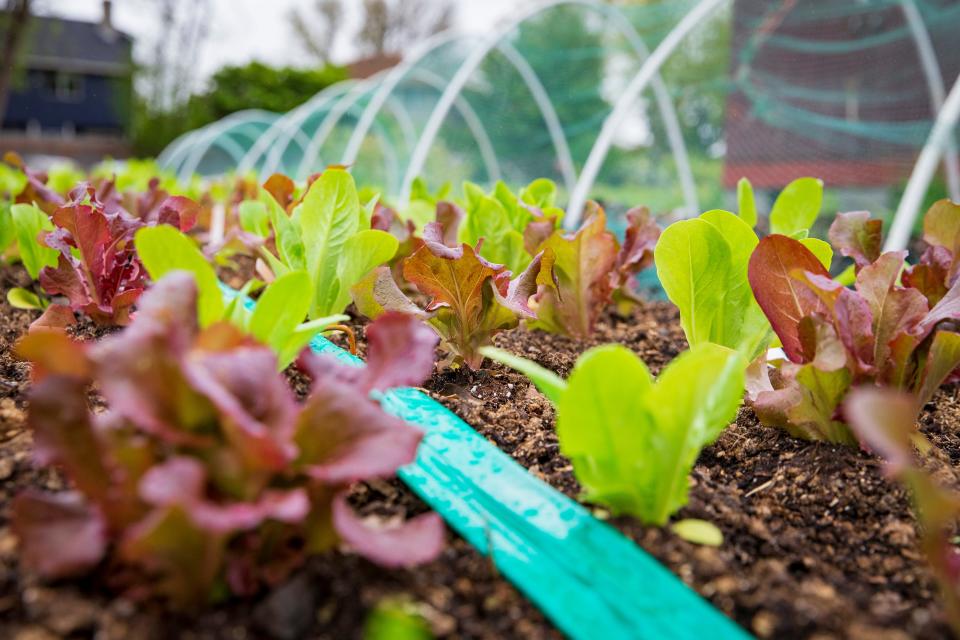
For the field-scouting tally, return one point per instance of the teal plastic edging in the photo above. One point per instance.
(589, 579)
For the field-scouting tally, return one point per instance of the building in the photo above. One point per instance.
(72, 93)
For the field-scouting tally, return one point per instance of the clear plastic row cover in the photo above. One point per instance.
(664, 103)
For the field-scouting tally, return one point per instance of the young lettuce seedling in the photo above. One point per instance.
(12, 182)
(470, 299)
(205, 469)
(277, 320)
(510, 225)
(28, 225)
(33, 186)
(97, 267)
(632, 440)
(884, 420)
(939, 266)
(582, 271)
(878, 332)
(328, 236)
(702, 265)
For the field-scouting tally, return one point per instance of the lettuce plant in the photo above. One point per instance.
(97, 267)
(834, 337)
(470, 299)
(29, 224)
(632, 440)
(423, 202)
(508, 223)
(328, 236)
(939, 266)
(797, 207)
(702, 265)
(884, 420)
(581, 271)
(205, 470)
(386, 219)
(33, 187)
(794, 211)
(277, 320)
(12, 182)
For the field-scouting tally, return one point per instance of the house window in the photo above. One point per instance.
(66, 87)
(69, 87)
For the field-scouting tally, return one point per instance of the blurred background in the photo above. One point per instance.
(664, 103)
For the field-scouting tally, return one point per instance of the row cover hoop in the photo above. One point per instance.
(260, 140)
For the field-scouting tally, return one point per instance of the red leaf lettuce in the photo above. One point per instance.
(879, 332)
(205, 467)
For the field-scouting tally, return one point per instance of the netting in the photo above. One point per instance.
(662, 103)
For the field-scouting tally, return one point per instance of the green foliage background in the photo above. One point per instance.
(253, 86)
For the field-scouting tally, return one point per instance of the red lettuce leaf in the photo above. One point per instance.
(399, 352)
(931, 275)
(857, 237)
(636, 254)
(159, 398)
(281, 188)
(104, 277)
(575, 278)
(436, 238)
(947, 309)
(182, 482)
(878, 333)
(449, 217)
(256, 408)
(343, 437)
(56, 317)
(205, 468)
(471, 299)
(782, 298)
(414, 542)
(61, 535)
(177, 211)
(36, 190)
(53, 352)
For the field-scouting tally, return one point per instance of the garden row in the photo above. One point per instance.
(210, 454)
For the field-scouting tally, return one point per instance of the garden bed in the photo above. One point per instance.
(460, 594)
(817, 542)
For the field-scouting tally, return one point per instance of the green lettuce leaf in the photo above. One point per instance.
(632, 440)
(702, 264)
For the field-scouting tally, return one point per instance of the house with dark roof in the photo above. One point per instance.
(73, 90)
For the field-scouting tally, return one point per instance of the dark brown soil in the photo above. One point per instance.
(460, 594)
(817, 542)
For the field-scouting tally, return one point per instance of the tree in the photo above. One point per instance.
(15, 20)
(183, 28)
(252, 86)
(386, 26)
(318, 36)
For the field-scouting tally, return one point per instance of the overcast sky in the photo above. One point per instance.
(245, 30)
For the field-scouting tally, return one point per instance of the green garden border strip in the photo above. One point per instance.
(589, 579)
